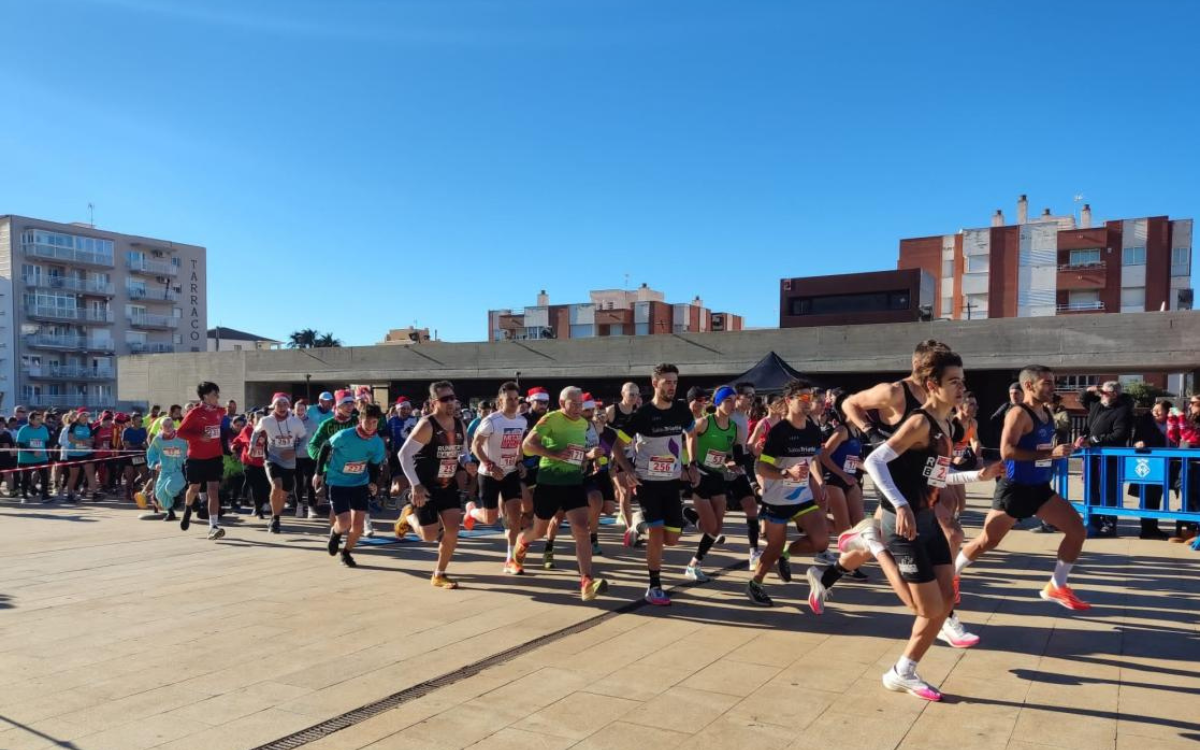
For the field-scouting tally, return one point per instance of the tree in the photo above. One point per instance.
(305, 338)
(327, 340)
(1145, 394)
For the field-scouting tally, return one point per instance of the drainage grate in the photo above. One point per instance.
(362, 713)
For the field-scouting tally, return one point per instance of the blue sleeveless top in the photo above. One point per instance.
(1040, 438)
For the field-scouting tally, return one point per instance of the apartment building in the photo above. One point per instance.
(73, 298)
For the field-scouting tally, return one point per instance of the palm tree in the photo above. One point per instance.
(327, 340)
(305, 338)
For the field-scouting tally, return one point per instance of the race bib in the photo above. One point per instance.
(852, 464)
(575, 455)
(354, 467)
(507, 460)
(661, 467)
(172, 452)
(212, 431)
(714, 459)
(256, 452)
(283, 441)
(138, 460)
(1045, 463)
(447, 468)
(804, 467)
(36, 443)
(937, 470)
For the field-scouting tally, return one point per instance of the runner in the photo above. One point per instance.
(400, 425)
(167, 455)
(284, 431)
(32, 457)
(712, 443)
(657, 432)
(790, 490)
(538, 401)
(841, 463)
(363, 396)
(306, 493)
(250, 446)
(619, 415)
(598, 481)
(1028, 451)
(739, 489)
(201, 428)
(497, 443)
(966, 458)
(133, 438)
(77, 446)
(431, 459)
(352, 461)
(910, 469)
(558, 441)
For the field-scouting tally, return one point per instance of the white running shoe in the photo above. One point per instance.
(694, 573)
(859, 538)
(313, 514)
(817, 593)
(954, 634)
(300, 510)
(912, 685)
(369, 528)
(826, 557)
(754, 555)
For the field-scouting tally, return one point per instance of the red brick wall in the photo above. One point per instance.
(1110, 295)
(1002, 271)
(1158, 262)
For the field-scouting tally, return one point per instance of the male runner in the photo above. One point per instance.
(657, 432)
(790, 490)
(538, 401)
(558, 440)
(201, 429)
(352, 460)
(431, 459)
(712, 444)
(497, 444)
(1028, 450)
(306, 494)
(284, 431)
(598, 481)
(619, 415)
(739, 490)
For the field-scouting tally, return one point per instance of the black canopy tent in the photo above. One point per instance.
(771, 374)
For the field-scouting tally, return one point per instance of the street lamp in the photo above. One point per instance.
(308, 387)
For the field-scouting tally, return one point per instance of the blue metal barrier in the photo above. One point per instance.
(1107, 472)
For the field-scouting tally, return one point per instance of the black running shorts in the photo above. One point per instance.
(661, 503)
(1020, 500)
(201, 470)
(917, 558)
(491, 490)
(549, 499)
(346, 499)
(287, 477)
(439, 500)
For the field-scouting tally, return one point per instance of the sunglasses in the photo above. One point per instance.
(447, 399)
(805, 397)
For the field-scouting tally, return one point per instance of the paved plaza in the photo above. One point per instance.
(124, 634)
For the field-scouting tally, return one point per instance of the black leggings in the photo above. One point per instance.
(27, 478)
(304, 474)
(260, 488)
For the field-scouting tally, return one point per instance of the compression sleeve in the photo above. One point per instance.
(962, 477)
(877, 466)
(323, 458)
(408, 455)
(373, 471)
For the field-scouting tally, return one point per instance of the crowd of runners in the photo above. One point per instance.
(668, 470)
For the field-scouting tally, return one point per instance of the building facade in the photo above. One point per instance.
(902, 296)
(222, 339)
(406, 336)
(74, 298)
(609, 312)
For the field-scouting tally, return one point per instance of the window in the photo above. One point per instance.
(641, 329)
(1076, 382)
(1086, 257)
(1181, 261)
(978, 263)
(948, 269)
(840, 304)
(1133, 256)
(1133, 299)
(577, 331)
(947, 307)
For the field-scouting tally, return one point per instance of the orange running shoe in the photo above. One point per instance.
(468, 519)
(519, 553)
(443, 581)
(1064, 596)
(513, 568)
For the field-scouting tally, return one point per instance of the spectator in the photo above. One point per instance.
(1185, 430)
(996, 421)
(1062, 421)
(1109, 425)
(1150, 431)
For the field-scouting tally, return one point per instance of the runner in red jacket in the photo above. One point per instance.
(201, 429)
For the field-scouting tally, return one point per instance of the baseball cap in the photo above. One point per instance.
(325, 396)
(695, 393)
(1015, 387)
(723, 393)
(344, 397)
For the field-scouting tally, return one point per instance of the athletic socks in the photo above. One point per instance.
(212, 521)
(692, 516)
(655, 579)
(510, 553)
(752, 532)
(963, 561)
(594, 537)
(876, 548)
(706, 543)
(906, 667)
(1061, 570)
(832, 574)
(549, 545)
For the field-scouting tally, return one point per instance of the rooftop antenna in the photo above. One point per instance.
(1074, 211)
(92, 214)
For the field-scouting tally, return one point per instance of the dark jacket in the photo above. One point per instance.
(1145, 430)
(1108, 426)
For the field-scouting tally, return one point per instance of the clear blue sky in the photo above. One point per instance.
(503, 146)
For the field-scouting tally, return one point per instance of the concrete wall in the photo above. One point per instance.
(1136, 342)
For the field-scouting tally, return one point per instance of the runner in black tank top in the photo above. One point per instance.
(619, 416)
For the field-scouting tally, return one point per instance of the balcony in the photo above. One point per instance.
(74, 343)
(146, 320)
(68, 284)
(73, 314)
(69, 372)
(1080, 307)
(153, 267)
(152, 295)
(66, 255)
(137, 348)
(69, 402)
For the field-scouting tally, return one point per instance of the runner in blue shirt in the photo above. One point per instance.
(32, 439)
(352, 459)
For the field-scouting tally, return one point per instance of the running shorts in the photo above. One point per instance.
(549, 499)
(491, 490)
(661, 503)
(711, 485)
(785, 514)
(1020, 500)
(346, 499)
(738, 488)
(439, 500)
(286, 476)
(833, 480)
(201, 470)
(530, 479)
(918, 557)
(601, 482)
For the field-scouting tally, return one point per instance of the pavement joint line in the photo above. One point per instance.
(362, 713)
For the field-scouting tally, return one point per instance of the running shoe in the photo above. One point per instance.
(443, 581)
(1065, 596)
(186, 521)
(216, 532)
(597, 550)
(300, 513)
(692, 516)
(335, 541)
(276, 527)
(826, 557)
(368, 527)
(313, 514)
(857, 575)
(957, 593)
(912, 685)
(955, 635)
(784, 567)
(657, 597)
(858, 539)
(468, 521)
(694, 573)
(817, 593)
(757, 594)
(171, 516)
(513, 568)
(403, 524)
(590, 588)
(631, 538)
(755, 553)
(519, 553)
(548, 560)
(348, 560)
